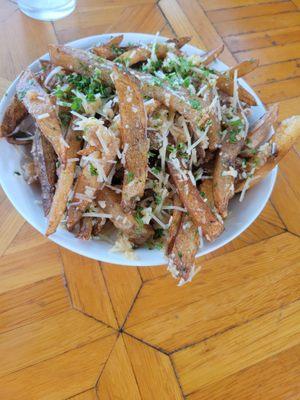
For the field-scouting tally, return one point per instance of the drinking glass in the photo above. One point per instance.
(47, 10)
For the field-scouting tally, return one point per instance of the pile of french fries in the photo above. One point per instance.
(143, 138)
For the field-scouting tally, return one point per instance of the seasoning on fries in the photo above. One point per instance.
(145, 139)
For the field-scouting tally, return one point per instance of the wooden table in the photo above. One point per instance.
(71, 327)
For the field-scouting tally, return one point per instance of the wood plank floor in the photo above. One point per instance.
(71, 327)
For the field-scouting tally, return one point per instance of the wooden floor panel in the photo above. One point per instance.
(73, 328)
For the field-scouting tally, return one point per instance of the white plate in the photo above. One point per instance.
(25, 198)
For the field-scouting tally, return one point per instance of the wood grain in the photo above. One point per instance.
(60, 377)
(229, 290)
(42, 340)
(123, 285)
(273, 378)
(87, 288)
(237, 349)
(233, 333)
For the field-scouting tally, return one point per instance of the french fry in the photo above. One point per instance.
(210, 56)
(28, 169)
(175, 224)
(139, 54)
(125, 222)
(134, 134)
(85, 63)
(89, 180)
(99, 225)
(184, 250)
(45, 165)
(85, 229)
(108, 50)
(260, 131)
(14, 114)
(181, 41)
(285, 136)
(227, 86)
(39, 105)
(214, 128)
(199, 211)
(65, 182)
(206, 191)
(243, 68)
(223, 181)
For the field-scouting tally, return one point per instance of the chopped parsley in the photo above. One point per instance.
(93, 170)
(196, 105)
(158, 233)
(157, 199)
(129, 177)
(202, 194)
(64, 117)
(17, 173)
(180, 254)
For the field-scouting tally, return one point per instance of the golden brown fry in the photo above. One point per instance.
(199, 211)
(214, 128)
(134, 134)
(139, 54)
(181, 41)
(65, 182)
(108, 50)
(227, 86)
(98, 227)
(285, 136)
(175, 224)
(39, 105)
(89, 181)
(123, 221)
(45, 165)
(261, 130)
(85, 63)
(14, 114)
(210, 56)
(206, 191)
(134, 56)
(223, 180)
(183, 253)
(243, 68)
(86, 227)
(29, 172)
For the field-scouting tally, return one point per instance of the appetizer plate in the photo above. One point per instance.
(26, 199)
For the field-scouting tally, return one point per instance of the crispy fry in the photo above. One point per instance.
(183, 253)
(108, 50)
(85, 63)
(89, 181)
(223, 181)
(214, 128)
(13, 115)
(181, 41)
(175, 224)
(243, 68)
(139, 54)
(99, 225)
(206, 191)
(39, 105)
(125, 222)
(210, 56)
(65, 182)
(227, 85)
(86, 227)
(45, 165)
(260, 131)
(285, 136)
(199, 211)
(28, 170)
(134, 134)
